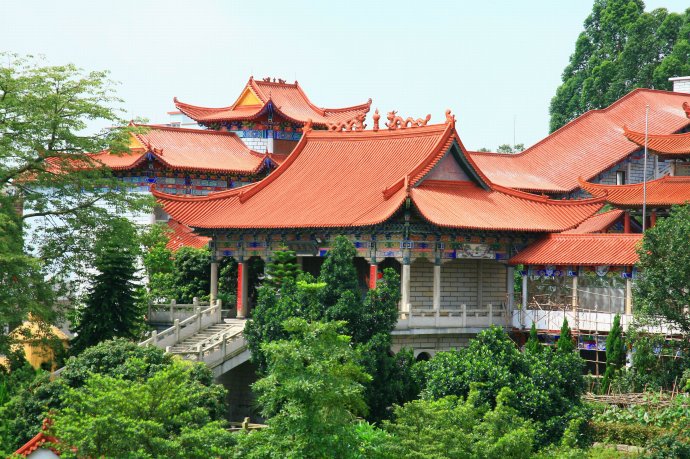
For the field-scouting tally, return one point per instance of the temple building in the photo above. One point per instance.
(269, 115)
(601, 146)
(410, 198)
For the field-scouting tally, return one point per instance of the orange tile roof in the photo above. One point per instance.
(587, 145)
(465, 205)
(598, 223)
(666, 145)
(581, 250)
(663, 192)
(286, 98)
(189, 149)
(345, 179)
(181, 235)
(35, 443)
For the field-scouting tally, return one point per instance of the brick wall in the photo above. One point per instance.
(459, 284)
(422, 284)
(258, 144)
(430, 343)
(493, 282)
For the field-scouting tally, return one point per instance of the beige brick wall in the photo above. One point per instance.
(422, 284)
(459, 284)
(493, 282)
(430, 343)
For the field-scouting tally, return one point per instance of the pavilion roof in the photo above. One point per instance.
(595, 249)
(665, 145)
(598, 223)
(37, 442)
(586, 146)
(663, 192)
(182, 235)
(188, 149)
(361, 178)
(259, 96)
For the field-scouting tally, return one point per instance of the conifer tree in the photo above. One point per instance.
(565, 342)
(112, 306)
(282, 269)
(533, 346)
(615, 353)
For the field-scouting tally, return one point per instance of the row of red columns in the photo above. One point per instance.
(626, 221)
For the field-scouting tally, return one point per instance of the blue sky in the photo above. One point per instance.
(496, 64)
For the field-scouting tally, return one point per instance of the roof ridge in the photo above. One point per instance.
(595, 235)
(195, 198)
(388, 133)
(543, 198)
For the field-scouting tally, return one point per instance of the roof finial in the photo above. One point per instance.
(686, 107)
(397, 122)
(307, 126)
(450, 118)
(376, 117)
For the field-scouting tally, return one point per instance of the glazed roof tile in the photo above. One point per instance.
(465, 205)
(181, 235)
(345, 179)
(666, 145)
(35, 443)
(598, 223)
(586, 146)
(189, 149)
(581, 250)
(286, 98)
(663, 192)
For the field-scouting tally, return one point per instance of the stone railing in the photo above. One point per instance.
(181, 330)
(167, 313)
(464, 317)
(217, 349)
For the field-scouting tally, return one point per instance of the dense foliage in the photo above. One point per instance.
(615, 353)
(22, 416)
(312, 393)
(548, 383)
(662, 293)
(336, 296)
(282, 269)
(112, 308)
(621, 48)
(165, 414)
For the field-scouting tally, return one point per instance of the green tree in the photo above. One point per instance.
(547, 383)
(615, 353)
(450, 428)
(621, 48)
(46, 169)
(312, 394)
(532, 346)
(112, 306)
(565, 341)
(23, 415)
(282, 268)
(662, 292)
(163, 415)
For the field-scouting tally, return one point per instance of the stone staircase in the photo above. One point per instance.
(205, 337)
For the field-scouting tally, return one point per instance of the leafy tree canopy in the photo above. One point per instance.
(164, 415)
(662, 293)
(312, 394)
(621, 48)
(45, 168)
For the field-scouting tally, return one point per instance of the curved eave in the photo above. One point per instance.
(670, 146)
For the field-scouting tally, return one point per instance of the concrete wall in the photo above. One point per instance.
(241, 400)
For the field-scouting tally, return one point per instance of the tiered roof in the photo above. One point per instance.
(599, 223)
(581, 250)
(663, 192)
(588, 145)
(665, 145)
(188, 149)
(260, 96)
(355, 179)
(182, 235)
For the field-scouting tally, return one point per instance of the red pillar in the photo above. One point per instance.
(652, 219)
(373, 274)
(626, 222)
(240, 290)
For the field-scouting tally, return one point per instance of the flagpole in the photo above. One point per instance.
(644, 172)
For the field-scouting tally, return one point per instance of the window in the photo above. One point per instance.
(620, 177)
